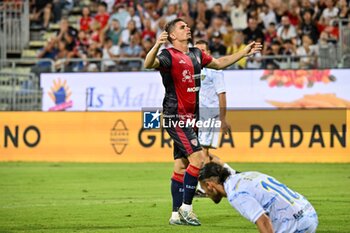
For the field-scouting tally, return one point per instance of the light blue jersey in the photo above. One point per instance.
(254, 193)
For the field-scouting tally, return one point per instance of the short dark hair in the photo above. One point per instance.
(103, 4)
(203, 42)
(169, 27)
(307, 11)
(287, 41)
(107, 39)
(275, 42)
(214, 170)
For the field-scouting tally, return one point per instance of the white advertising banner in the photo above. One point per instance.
(245, 89)
(288, 89)
(122, 91)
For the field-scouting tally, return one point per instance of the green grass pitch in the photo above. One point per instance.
(83, 197)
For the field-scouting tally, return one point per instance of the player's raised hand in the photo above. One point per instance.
(162, 38)
(253, 48)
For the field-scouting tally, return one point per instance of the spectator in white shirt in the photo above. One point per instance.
(132, 16)
(110, 51)
(329, 13)
(286, 31)
(308, 50)
(267, 15)
(127, 32)
(121, 14)
(238, 15)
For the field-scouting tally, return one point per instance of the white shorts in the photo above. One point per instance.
(209, 137)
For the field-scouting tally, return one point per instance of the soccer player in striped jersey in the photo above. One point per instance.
(180, 67)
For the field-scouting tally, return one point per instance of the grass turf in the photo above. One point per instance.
(81, 197)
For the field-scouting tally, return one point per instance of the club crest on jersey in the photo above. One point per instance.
(187, 77)
(182, 61)
(194, 142)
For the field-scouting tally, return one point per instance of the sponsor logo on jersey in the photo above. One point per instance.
(193, 89)
(187, 76)
(194, 142)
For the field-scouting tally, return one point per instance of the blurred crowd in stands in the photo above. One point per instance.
(128, 29)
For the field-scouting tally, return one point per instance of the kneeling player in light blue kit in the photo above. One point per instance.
(261, 199)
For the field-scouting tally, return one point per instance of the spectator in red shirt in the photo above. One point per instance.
(127, 3)
(97, 35)
(270, 34)
(148, 32)
(293, 13)
(85, 20)
(102, 16)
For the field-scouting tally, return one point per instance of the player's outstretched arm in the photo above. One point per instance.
(264, 224)
(223, 62)
(151, 60)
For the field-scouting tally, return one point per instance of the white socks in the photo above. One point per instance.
(186, 207)
(199, 187)
(175, 215)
